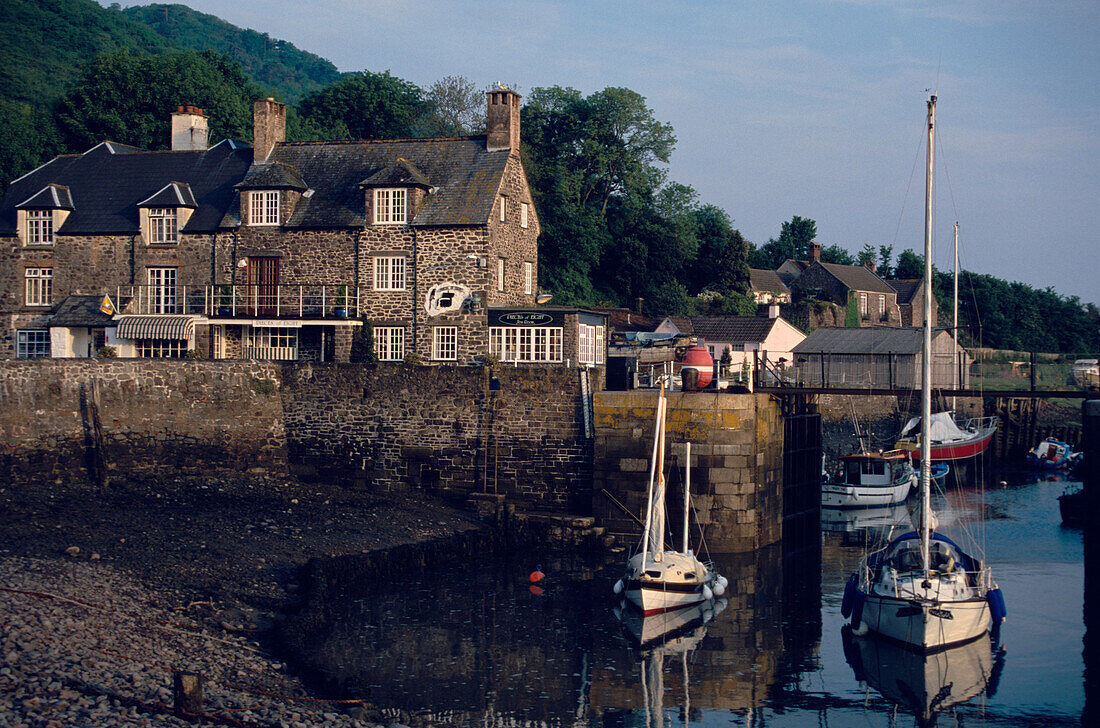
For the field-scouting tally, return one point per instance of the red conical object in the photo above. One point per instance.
(699, 359)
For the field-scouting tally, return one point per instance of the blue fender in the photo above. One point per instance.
(857, 610)
(997, 609)
(849, 597)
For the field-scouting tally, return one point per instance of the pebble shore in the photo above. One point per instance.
(83, 645)
(105, 595)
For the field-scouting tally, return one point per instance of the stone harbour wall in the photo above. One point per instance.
(736, 466)
(441, 429)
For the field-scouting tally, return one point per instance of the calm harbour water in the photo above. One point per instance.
(481, 646)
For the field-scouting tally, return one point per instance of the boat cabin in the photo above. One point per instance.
(875, 467)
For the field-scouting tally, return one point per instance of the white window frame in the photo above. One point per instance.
(500, 274)
(32, 344)
(275, 343)
(40, 227)
(391, 206)
(389, 343)
(38, 286)
(503, 208)
(591, 347)
(528, 277)
(445, 343)
(523, 214)
(163, 298)
(263, 207)
(161, 348)
(882, 306)
(163, 226)
(863, 305)
(526, 343)
(389, 273)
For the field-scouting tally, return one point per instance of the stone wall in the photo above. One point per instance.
(736, 473)
(153, 415)
(441, 429)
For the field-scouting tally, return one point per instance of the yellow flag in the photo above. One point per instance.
(106, 306)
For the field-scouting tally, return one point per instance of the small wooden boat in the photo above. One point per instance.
(870, 480)
(949, 440)
(1052, 454)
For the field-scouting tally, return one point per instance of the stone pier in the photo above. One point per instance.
(736, 466)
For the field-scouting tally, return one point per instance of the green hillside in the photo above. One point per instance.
(274, 64)
(45, 43)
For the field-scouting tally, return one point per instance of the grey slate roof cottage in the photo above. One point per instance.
(283, 250)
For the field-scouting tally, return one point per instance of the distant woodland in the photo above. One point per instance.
(615, 229)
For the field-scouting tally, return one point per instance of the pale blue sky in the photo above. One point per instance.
(811, 108)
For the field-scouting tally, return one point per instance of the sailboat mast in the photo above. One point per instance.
(926, 358)
(955, 383)
(687, 492)
(653, 470)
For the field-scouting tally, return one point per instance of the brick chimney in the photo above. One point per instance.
(815, 252)
(268, 127)
(502, 122)
(189, 129)
(871, 266)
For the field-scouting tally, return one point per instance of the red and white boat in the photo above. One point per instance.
(949, 440)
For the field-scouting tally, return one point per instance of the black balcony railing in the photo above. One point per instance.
(244, 300)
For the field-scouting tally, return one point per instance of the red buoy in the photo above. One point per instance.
(536, 575)
(699, 359)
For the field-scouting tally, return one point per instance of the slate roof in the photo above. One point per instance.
(173, 194)
(273, 176)
(907, 289)
(109, 180)
(625, 319)
(464, 178)
(767, 280)
(734, 330)
(865, 340)
(52, 196)
(81, 311)
(857, 278)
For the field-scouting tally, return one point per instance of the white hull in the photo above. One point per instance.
(925, 625)
(675, 581)
(834, 495)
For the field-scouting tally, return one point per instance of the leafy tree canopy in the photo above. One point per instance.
(129, 99)
(793, 243)
(365, 105)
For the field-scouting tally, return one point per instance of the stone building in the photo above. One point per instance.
(279, 251)
(875, 300)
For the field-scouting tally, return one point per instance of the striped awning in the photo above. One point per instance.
(156, 327)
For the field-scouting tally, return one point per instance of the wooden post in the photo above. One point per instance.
(1032, 370)
(188, 692)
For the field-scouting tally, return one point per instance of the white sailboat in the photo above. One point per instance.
(922, 589)
(659, 579)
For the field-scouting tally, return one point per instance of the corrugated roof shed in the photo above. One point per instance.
(865, 340)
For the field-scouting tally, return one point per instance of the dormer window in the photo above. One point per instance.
(263, 207)
(39, 227)
(166, 212)
(162, 226)
(390, 206)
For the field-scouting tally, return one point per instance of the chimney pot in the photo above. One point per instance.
(502, 121)
(189, 129)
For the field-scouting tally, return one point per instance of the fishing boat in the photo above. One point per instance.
(924, 685)
(922, 590)
(949, 439)
(1052, 454)
(870, 480)
(659, 579)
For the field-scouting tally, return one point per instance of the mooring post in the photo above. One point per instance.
(188, 692)
(1090, 445)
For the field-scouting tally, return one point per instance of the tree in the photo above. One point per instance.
(910, 265)
(128, 99)
(793, 243)
(836, 254)
(362, 345)
(885, 260)
(866, 256)
(455, 107)
(365, 105)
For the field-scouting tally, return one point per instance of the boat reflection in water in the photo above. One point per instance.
(673, 635)
(848, 520)
(924, 684)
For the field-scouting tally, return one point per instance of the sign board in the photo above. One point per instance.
(526, 318)
(276, 324)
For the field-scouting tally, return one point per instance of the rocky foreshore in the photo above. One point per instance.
(105, 595)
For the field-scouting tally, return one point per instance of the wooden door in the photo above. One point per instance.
(263, 286)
